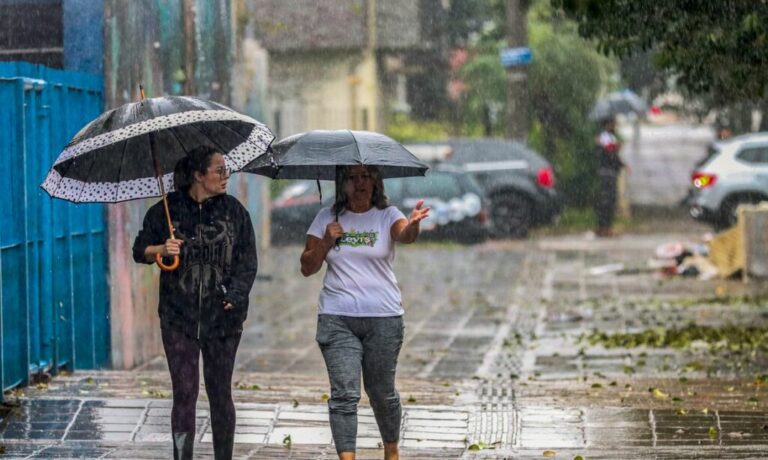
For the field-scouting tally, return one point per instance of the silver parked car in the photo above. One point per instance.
(734, 172)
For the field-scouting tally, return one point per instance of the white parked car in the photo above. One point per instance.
(735, 172)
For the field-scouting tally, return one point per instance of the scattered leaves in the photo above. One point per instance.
(287, 443)
(728, 337)
(549, 453)
(246, 386)
(154, 393)
(325, 397)
(713, 432)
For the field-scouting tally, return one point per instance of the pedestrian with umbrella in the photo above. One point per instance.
(141, 150)
(360, 313)
(609, 165)
(608, 148)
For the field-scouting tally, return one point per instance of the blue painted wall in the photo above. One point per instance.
(54, 297)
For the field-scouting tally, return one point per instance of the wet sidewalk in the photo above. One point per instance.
(512, 350)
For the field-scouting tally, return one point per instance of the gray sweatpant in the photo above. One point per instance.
(351, 346)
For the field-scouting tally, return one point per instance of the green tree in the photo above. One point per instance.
(565, 78)
(717, 48)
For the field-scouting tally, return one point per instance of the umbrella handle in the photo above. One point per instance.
(167, 268)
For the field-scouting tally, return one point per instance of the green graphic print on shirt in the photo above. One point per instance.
(357, 239)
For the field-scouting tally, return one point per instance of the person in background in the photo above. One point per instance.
(609, 164)
(360, 315)
(204, 302)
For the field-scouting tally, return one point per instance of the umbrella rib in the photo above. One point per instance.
(120, 170)
(62, 173)
(85, 182)
(181, 144)
(220, 149)
(357, 147)
(245, 138)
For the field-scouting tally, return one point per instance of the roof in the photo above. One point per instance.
(305, 25)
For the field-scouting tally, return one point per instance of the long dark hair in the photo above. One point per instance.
(196, 160)
(378, 199)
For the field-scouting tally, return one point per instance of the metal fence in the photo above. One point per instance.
(54, 299)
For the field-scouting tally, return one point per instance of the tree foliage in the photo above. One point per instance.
(565, 78)
(564, 81)
(716, 47)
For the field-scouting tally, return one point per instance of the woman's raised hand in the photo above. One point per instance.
(418, 214)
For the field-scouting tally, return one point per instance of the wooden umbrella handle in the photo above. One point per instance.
(167, 268)
(158, 257)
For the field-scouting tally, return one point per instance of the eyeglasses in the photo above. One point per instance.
(222, 171)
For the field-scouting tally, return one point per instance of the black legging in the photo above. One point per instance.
(183, 354)
(606, 199)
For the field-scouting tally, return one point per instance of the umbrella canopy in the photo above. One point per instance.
(316, 154)
(618, 102)
(119, 155)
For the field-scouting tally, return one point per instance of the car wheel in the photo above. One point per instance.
(511, 214)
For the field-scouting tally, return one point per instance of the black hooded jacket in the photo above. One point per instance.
(218, 263)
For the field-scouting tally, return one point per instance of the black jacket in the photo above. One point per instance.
(608, 159)
(218, 263)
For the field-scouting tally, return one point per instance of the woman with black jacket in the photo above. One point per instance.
(204, 302)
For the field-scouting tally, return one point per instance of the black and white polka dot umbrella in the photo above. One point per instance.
(111, 158)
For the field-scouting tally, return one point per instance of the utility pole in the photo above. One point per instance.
(190, 56)
(517, 70)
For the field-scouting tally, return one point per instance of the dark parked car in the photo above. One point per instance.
(518, 181)
(459, 208)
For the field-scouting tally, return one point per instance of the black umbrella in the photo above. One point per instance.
(618, 102)
(130, 152)
(316, 154)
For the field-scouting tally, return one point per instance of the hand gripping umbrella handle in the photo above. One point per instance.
(158, 258)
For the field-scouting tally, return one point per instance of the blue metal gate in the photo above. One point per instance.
(54, 301)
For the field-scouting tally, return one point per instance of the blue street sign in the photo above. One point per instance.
(511, 57)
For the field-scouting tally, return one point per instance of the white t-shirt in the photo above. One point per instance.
(360, 280)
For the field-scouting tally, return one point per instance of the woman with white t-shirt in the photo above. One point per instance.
(360, 317)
